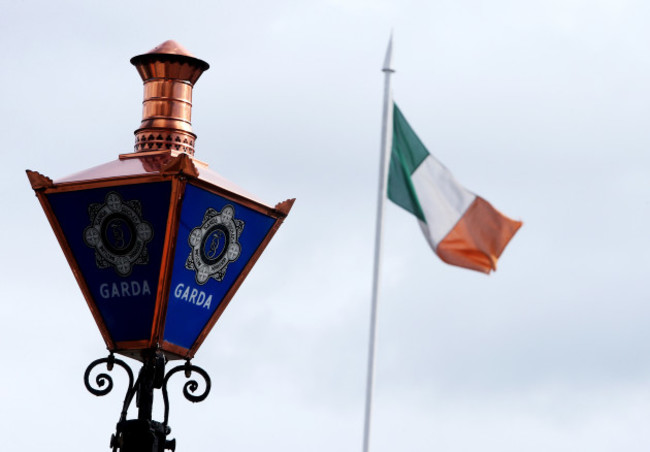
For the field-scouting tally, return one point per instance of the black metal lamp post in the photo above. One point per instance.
(159, 243)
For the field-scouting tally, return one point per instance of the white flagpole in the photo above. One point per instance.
(386, 143)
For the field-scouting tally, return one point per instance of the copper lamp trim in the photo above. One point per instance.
(285, 206)
(169, 73)
(38, 180)
(172, 50)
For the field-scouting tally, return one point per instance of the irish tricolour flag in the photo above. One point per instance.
(462, 228)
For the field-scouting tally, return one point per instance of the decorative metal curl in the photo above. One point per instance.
(189, 388)
(105, 379)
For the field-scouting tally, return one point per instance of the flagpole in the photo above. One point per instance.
(386, 142)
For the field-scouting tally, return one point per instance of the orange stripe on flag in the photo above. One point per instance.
(479, 237)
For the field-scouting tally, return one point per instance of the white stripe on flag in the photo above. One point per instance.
(442, 198)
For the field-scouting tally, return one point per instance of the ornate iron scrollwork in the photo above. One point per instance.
(102, 379)
(190, 386)
(136, 434)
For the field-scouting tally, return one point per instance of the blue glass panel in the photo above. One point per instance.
(216, 239)
(116, 235)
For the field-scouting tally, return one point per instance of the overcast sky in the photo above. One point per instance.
(541, 107)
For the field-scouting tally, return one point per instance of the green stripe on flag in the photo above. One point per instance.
(407, 154)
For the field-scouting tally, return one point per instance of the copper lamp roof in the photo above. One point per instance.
(188, 66)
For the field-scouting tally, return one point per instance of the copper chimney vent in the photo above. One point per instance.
(169, 73)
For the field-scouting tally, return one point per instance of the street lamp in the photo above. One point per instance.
(159, 243)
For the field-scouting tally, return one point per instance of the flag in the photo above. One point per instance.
(462, 228)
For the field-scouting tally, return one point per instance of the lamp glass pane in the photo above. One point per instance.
(116, 235)
(217, 237)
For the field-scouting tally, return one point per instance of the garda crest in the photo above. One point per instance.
(214, 244)
(118, 234)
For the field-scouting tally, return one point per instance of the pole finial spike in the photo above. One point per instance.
(388, 60)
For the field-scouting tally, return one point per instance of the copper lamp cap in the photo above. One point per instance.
(169, 72)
